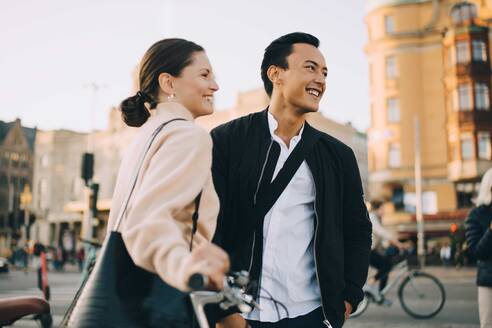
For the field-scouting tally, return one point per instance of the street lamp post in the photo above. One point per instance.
(418, 196)
(26, 200)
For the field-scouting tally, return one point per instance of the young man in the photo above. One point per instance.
(308, 248)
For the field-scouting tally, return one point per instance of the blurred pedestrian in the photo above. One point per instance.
(380, 258)
(445, 254)
(80, 258)
(479, 237)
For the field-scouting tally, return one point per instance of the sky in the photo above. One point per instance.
(53, 51)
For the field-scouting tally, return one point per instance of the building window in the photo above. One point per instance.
(398, 198)
(462, 52)
(76, 187)
(479, 51)
(391, 67)
(484, 145)
(482, 96)
(466, 147)
(45, 160)
(393, 110)
(464, 97)
(463, 12)
(465, 192)
(43, 194)
(389, 24)
(3, 180)
(394, 155)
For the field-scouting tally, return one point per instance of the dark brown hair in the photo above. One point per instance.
(165, 56)
(277, 52)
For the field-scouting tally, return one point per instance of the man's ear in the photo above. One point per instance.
(275, 74)
(166, 83)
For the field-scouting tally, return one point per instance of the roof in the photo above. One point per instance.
(29, 133)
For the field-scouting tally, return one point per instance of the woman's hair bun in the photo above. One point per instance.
(133, 110)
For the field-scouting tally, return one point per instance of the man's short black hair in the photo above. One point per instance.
(278, 51)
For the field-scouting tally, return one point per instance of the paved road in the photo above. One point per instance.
(460, 310)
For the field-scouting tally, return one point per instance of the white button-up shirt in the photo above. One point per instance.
(288, 273)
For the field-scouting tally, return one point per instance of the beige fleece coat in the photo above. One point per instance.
(156, 228)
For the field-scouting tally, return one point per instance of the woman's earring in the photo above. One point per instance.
(170, 97)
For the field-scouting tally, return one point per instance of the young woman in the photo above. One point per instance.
(479, 238)
(176, 82)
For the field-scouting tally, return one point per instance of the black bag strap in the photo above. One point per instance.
(136, 174)
(138, 167)
(272, 192)
(194, 219)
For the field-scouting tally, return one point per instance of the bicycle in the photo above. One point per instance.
(421, 295)
(232, 295)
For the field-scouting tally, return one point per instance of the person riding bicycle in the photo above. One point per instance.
(377, 259)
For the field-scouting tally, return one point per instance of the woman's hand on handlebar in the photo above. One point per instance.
(209, 260)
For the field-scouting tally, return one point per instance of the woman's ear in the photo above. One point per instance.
(166, 83)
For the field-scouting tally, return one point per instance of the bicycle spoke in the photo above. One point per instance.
(421, 295)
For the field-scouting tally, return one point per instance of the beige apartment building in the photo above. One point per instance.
(429, 61)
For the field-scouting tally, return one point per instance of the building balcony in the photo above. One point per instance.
(475, 118)
(473, 69)
(467, 170)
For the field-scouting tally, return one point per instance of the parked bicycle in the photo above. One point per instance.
(16, 308)
(421, 294)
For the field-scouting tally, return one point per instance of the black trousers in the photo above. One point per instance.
(313, 319)
(383, 264)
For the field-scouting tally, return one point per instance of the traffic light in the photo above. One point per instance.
(453, 228)
(87, 167)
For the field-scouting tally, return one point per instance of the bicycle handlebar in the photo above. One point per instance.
(232, 295)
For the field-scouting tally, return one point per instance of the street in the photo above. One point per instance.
(63, 286)
(460, 310)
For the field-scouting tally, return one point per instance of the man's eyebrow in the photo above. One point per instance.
(315, 64)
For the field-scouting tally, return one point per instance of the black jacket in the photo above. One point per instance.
(479, 238)
(343, 230)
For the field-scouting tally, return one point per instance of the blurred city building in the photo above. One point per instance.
(428, 60)
(59, 200)
(16, 169)
(59, 195)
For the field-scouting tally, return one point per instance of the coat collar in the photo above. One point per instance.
(169, 110)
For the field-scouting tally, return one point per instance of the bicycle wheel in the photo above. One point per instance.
(363, 305)
(421, 295)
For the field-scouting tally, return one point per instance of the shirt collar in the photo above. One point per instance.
(273, 125)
